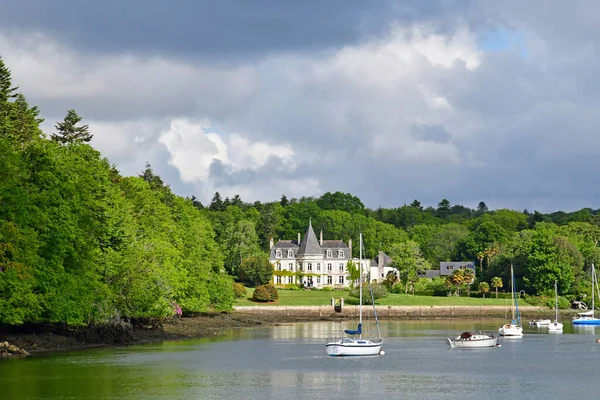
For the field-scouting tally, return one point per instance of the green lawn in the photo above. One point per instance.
(323, 298)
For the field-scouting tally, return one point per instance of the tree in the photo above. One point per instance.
(68, 131)
(217, 203)
(482, 208)
(483, 287)
(443, 209)
(241, 242)
(341, 201)
(457, 278)
(255, 271)
(497, 283)
(409, 261)
(390, 279)
(284, 201)
(416, 204)
(468, 276)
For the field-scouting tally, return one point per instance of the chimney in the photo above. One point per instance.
(270, 243)
(350, 245)
(298, 237)
(380, 260)
(321, 241)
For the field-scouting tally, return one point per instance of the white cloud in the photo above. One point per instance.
(193, 149)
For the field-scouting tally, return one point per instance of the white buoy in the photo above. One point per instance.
(381, 352)
(597, 340)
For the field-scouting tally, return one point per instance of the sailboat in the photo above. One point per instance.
(514, 328)
(555, 326)
(588, 318)
(357, 346)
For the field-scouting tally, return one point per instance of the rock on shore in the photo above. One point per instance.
(7, 349)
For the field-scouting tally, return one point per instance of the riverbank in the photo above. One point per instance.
(40, 339)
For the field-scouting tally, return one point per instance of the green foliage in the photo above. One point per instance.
(68, 131)
(239, 290)
(379, 292)
(265, 293)
(483, 287)
(255, 271)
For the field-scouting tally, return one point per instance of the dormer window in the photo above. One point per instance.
(340, 254)
(329, 254)
(290, 254)
(278, 254)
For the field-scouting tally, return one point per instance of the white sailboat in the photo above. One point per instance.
(588, 318)
(555, 326)
(514, 328)
(357, 346)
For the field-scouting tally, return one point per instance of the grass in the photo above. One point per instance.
(323, 298)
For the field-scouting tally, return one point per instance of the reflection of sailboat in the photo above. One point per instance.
(555, 326)
(350, 346)
(514, 328)
(587, 318)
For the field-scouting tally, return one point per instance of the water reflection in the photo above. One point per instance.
(289, 362)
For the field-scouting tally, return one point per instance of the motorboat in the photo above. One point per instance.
(540, 322)
(473, 340)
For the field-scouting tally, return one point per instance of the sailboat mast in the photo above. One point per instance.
(360, 281)
(593, 282)
(556, 301)
(512, 290)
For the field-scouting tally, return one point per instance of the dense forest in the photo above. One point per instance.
(82, 244)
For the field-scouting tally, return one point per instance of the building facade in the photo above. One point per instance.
(318, 263)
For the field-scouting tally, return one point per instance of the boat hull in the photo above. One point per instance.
(510, 330)
(353, 347)
(555, 327)
(586, 321)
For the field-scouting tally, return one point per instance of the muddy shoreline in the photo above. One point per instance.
(44, 339)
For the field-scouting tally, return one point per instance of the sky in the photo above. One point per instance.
(391, 101)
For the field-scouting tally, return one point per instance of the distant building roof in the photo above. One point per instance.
(386, 260)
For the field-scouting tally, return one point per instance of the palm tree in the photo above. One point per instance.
(468, 277)
(480, 257)
(457, 278)
(483, 287)
(497, 283)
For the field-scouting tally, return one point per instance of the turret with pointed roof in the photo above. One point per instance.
(310, 245)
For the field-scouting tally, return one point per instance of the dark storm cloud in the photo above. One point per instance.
(205, 28)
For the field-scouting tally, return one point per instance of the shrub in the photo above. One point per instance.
(261, 293)
(265, 293)
(239, 290)
(379, 292)
(274, 295)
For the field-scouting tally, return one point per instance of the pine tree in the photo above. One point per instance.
(24, 121)
(69, 132)
(6, 94)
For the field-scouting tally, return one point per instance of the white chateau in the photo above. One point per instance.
(321, 262)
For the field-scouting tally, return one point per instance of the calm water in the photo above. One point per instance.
(289, 362)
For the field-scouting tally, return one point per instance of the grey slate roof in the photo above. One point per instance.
(309, 245)
(284, 246)
(334, 244)
(387, 261)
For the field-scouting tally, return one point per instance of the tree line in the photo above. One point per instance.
(82, 244)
